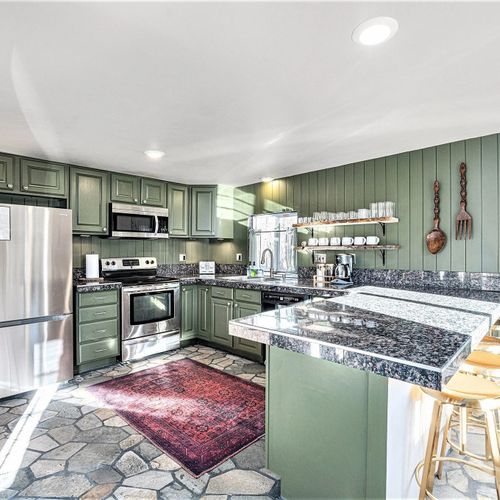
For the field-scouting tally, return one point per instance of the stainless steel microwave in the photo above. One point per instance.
(137, 221)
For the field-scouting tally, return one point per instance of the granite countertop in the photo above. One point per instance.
(414, 336)
(298, 285)
(96, 286)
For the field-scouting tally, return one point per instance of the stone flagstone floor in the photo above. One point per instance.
(62, 444)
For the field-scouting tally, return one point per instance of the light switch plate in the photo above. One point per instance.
(4, 223)
(239, 257)
(182, 257)
(320, 258)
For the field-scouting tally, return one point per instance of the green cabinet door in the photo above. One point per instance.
(42, 177)
(125, 188)
(221, 311)
(242, 309)
(153, 192)
(203, 211)
(189, 311)
(178, 210)
(89, 197)
(204, 312)
(7, 179)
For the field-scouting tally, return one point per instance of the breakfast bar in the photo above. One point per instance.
(343, 377)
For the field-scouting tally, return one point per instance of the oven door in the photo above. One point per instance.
(150, 309)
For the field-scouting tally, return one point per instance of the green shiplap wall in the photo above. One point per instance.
(407, 179)
(166, 251)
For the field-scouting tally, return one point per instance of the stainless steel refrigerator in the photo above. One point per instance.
(36, 304)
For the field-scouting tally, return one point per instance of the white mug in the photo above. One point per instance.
(312, 242)
(347, 240)
(323, 241)
(335, 241)
(372, 240)
(359, 240)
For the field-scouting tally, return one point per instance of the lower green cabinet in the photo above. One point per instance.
(242, 309)
(221, 312)
(97, 329)
(189, 311)
(204, 312)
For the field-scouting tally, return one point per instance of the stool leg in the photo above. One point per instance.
(429, 466)
(495, 452)
(463, 428)
(444, 445)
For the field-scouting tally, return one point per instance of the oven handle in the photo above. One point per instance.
(152, 288)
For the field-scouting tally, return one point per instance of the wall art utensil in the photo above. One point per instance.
(436, 239)
(463, 222)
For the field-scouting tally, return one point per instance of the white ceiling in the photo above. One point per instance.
(235, 91)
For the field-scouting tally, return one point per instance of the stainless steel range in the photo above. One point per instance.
(150, 306)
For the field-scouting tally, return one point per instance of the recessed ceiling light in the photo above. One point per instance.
(375, 31)
(154, 154)
(267, 179)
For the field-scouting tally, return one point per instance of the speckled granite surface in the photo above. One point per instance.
(97, 286)
(421, 338)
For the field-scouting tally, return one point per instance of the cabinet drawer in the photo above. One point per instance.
(98, 350)
(88, 314)
(222, 293)
(98, 330)
(252, 296)
(98, 298)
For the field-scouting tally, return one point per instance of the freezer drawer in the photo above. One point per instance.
(35, 354)
(153, 344)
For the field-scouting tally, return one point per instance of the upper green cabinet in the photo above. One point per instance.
(178, 210)
(203, 211)
(89, 197)
(44, 178)
(153, 192)
(125, 188)
(138, 190)
(212, 213)
(7, 175)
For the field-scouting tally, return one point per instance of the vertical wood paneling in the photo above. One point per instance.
(369, 260)
(443, 258)
(392, 230)
(489, 204)
(379, 196)
(359, 201)
(404, 210)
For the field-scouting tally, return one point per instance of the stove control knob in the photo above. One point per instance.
(151, 261)
(113, 262)
(147, 262)
(107, 262)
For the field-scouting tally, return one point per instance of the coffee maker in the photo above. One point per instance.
(343, 267)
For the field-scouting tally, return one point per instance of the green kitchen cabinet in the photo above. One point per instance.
(97, 329)
(189, 311)
(242, 309)
(44, 178)
(221, 312)
(125, 188)
(203, 211)
(89, 197)
(7, 174)
(178, 210)
(153, 192)
(138, 190)
(204, 312)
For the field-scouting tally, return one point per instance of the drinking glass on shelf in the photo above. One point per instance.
(390, 209)
(373, 210)
(381, 208)
(317, 215)
(353, 214)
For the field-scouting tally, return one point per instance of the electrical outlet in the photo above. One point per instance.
(320, 258)
(239, 257)
(182, 257)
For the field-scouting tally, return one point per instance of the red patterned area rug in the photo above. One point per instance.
(198, 415)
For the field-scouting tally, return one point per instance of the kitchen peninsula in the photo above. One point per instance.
(345, 416)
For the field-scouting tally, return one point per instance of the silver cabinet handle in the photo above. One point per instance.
(99, 298)
(100, 331)
(99, 313)
(104, 229)
(25, 188)
(10, 186)
(100, 350)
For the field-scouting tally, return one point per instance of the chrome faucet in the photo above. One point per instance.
(263, 260)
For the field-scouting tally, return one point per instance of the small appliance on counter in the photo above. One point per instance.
(338, 274)
(150, 306)
(207, 267)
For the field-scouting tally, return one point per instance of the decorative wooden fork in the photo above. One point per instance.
(463, 222)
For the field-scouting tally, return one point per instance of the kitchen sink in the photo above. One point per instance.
(259, 279)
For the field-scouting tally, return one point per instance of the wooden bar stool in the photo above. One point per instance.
(464, 393)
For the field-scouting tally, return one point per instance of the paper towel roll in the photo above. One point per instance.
(92, 265)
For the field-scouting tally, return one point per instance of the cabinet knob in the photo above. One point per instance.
(104, 229)
(229, 303)
(135, 200)
(144, 201)
(25, 188)
(235, 305)
(10, 186)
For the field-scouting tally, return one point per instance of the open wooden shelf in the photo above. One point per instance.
(323, 248)
(348, 222)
